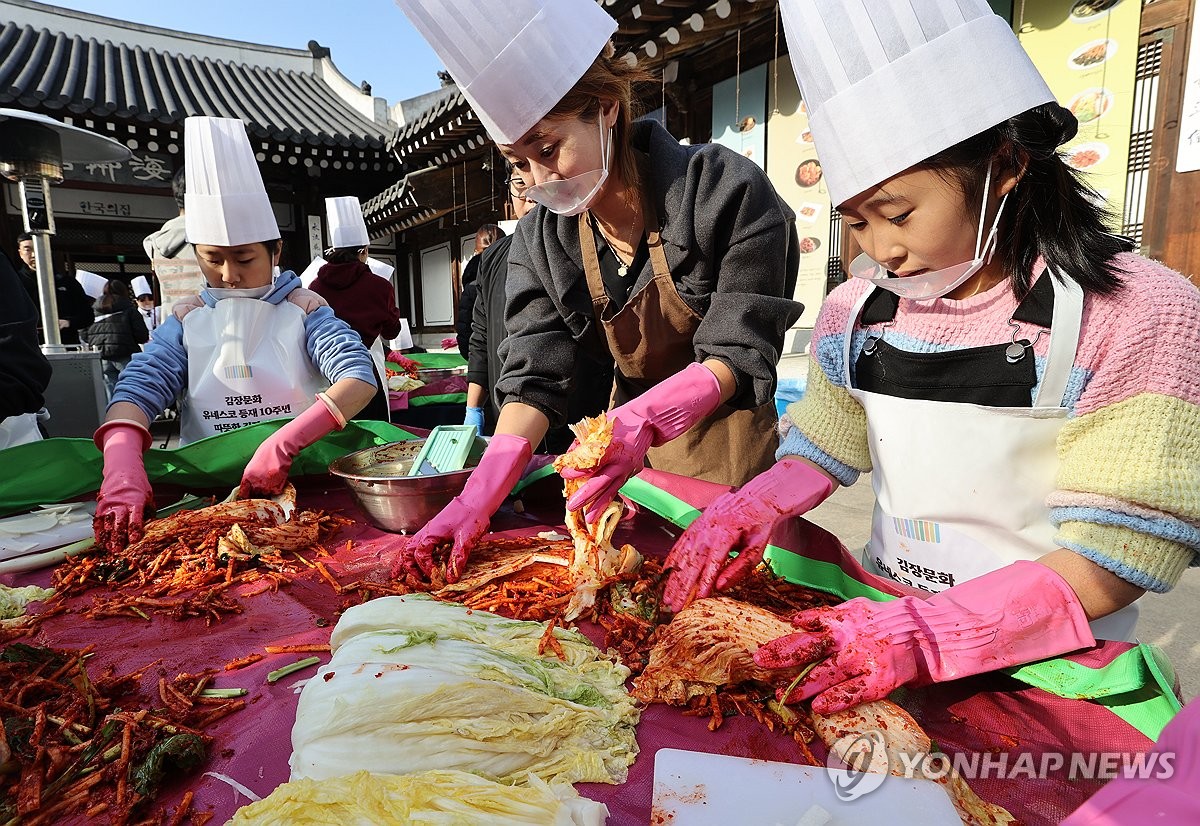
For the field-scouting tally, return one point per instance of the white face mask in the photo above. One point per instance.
(219, 293)
(573, 195)
(936, 283)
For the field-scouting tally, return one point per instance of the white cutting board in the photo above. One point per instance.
(53, 536)
(698, 789)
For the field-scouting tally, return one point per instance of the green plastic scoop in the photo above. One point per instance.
(446, 449)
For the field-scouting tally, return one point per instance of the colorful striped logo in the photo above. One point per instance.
(918, 529)
(239, 371)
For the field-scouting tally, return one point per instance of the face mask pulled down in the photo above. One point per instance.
(935, 283)
(575, 194)
(221, 293)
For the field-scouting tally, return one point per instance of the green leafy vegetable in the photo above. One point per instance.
(280, 673)
(181, 753)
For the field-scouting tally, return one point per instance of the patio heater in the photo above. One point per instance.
(33, 149)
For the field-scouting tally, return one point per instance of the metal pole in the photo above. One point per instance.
(39, 222)
(46, 295)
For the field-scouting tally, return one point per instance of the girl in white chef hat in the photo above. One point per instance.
(1022, 387)
(668, 262)
(252, 346)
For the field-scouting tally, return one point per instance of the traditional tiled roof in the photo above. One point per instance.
(407, 202)
(57, 70)
(446, 131)
(654, 33)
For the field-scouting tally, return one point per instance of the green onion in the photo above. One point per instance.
(280, 673)
(224, 692)
(799, 677)
(188, 502)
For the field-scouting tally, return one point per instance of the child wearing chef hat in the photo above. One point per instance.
(358, 289)
(145, 300)
(668, 262)
(1021, 386)
(252, 346)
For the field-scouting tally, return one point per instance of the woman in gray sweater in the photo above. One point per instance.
(669, 262)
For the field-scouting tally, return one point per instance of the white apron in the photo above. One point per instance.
(380, 359)
(247, 362)
(19, 430)
(960, 489)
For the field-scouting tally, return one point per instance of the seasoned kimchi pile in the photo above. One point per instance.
(74, 742)
(187, 564)
(551, 578)
(704, 660)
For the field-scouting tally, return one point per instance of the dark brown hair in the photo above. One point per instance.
(343, 255)
(115, 292)
(611, 78)
(488, 234)
(1052, 213)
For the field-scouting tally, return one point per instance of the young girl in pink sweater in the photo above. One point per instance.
(1022, 386)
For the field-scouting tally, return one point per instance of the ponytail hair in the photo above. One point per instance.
(1052, 213)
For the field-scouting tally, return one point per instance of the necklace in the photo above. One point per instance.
(622, 266)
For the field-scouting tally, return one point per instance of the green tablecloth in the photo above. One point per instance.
(437, 361)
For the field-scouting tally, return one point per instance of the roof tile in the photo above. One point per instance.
(58, 70)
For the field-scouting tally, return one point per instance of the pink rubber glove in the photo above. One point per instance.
(864, 650)
(466, 518)
(1158, 798)
(741, 522)
(125, 498)
(266, 473)
(665, 411)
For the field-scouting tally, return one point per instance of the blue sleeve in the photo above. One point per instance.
(336, 350)
(795, 443)
(156, 376)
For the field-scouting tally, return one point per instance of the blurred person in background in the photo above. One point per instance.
(485, 236)
(171, 256)
(145, 301)
(74, 306)
(118, 332)
(358, 296)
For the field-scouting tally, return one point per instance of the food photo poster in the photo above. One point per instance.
(1087, 50)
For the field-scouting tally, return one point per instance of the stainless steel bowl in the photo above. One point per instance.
(432, 374)
(391, 499)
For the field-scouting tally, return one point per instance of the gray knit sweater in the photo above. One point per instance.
(726, 234)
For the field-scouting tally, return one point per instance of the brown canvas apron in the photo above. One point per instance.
(650, 339)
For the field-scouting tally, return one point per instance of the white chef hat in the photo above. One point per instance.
(346, 225)
(889, 83)
(513, 60)
(92, 284)
(141, 286)
(226, 203)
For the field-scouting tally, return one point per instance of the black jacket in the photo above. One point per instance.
(73, 303)
(591, 385)
(466, 304)
(24, 371)
(118, 333)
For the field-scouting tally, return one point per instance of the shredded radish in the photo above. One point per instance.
(238, 787)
